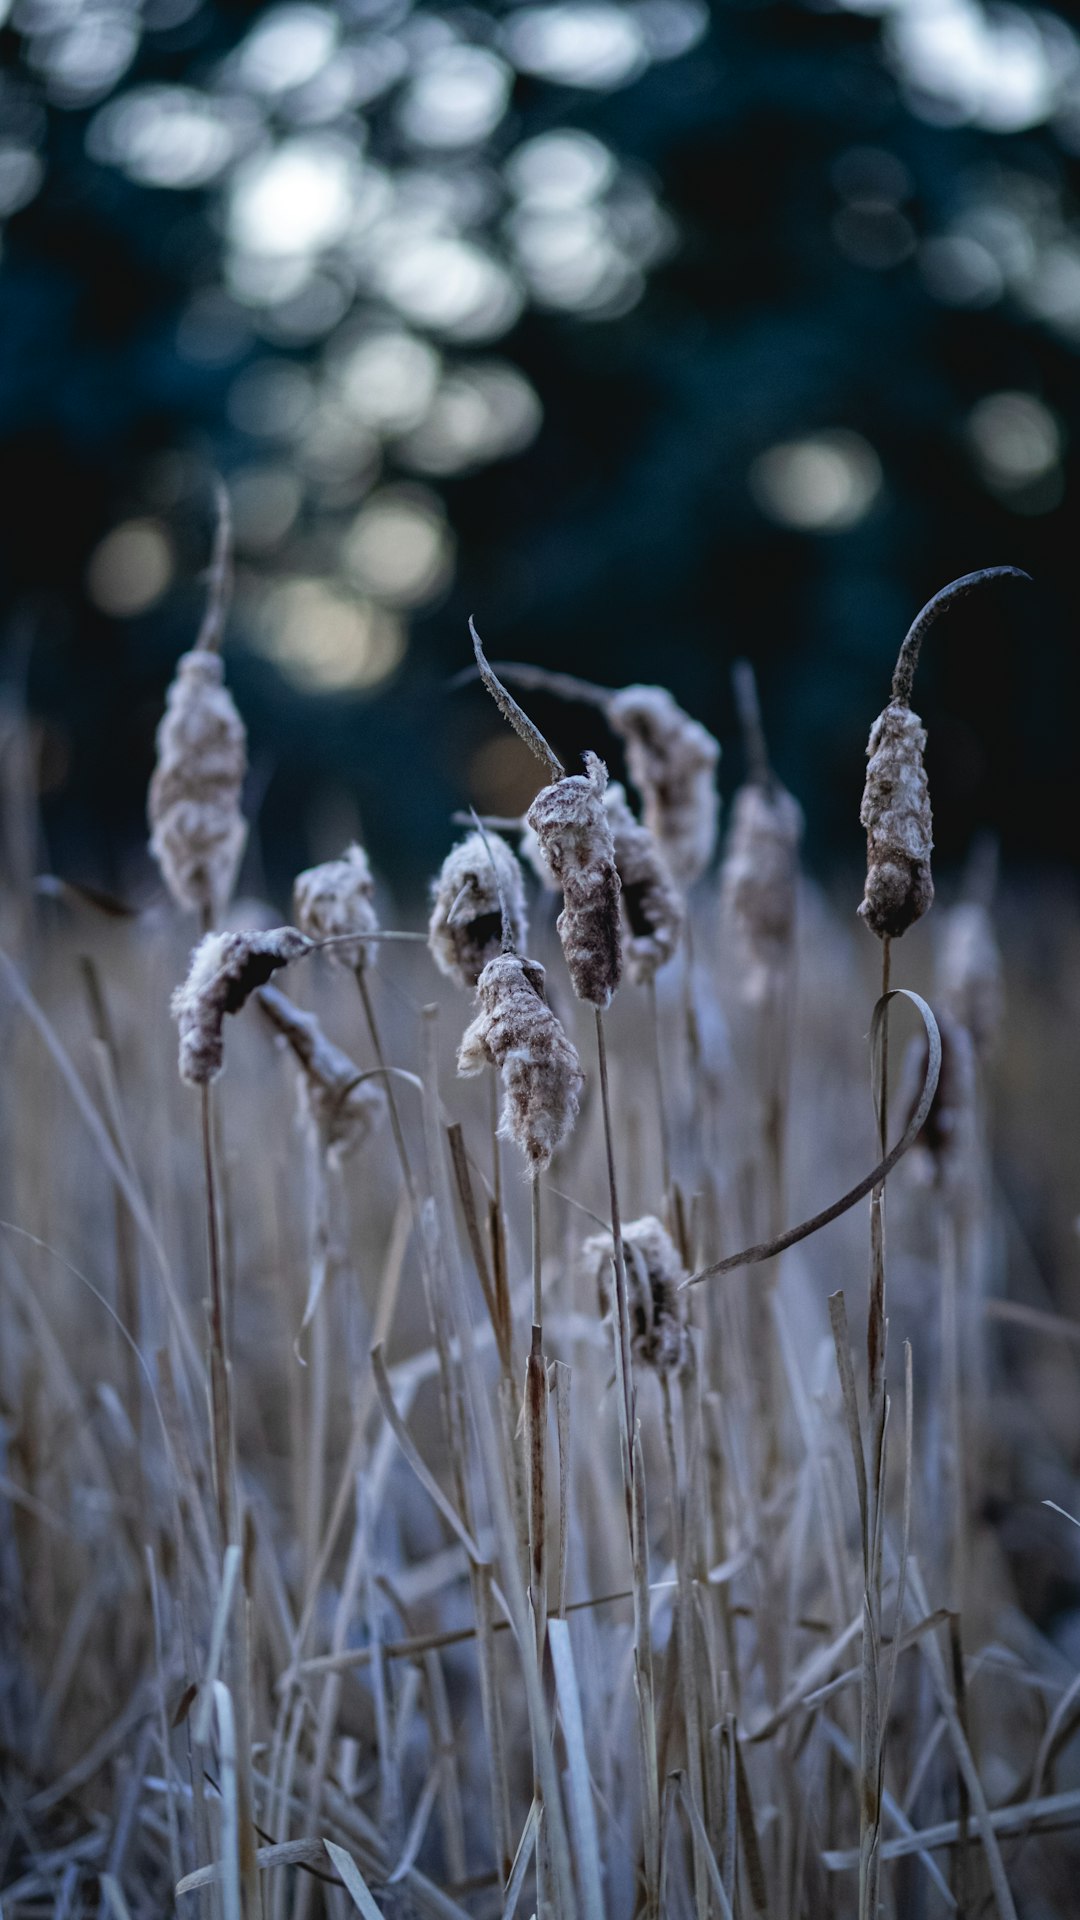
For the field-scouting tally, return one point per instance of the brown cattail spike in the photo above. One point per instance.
(654, 1278)
(760, 874)
(672, 761)
(652, 906)
(225, 970)
(516, 1032)
(343, 1107)
(336, 901)
(197, 831)
(572, 826)
(969, 974)
(478, 908)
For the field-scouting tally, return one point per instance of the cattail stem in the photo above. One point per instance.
(220, 1385)
(661, 1103)
(396, 1128)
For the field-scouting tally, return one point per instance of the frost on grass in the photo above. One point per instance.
(759, 881)
(654, 1274)
(517, 1033)
(197, 831)
(343, 1109)
(652, 906)
(225, 970)
(465, 929)
(896, 814)
(572, 826)
(672, 761)
(335, 901)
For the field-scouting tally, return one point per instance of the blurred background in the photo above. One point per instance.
(652, 334)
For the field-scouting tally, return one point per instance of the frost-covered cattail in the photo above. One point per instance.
(197, 831)
(571, 823)
(654, 1275)
(652, 907)
(896, 802)
(896, 814)
(225, 970)
(759, 880)
(672, 761)
(336, 900)
(477, 879)
(344, 1109)
(516, 1032)
(969, 975)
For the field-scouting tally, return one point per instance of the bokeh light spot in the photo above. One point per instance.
(325, 640)
(822, 484)
(130, 569)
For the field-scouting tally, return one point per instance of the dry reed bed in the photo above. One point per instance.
(460, 1560)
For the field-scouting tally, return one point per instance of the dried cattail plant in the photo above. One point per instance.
(225, 970)
(969, 974)
(653, 909)
(516, 1032)
(344, 1108)
(197, 831)
(479, 878)
(671, 761)
(654, 1276)
(896, 802)
(336, 901)
(942, 1155)
(573, 828)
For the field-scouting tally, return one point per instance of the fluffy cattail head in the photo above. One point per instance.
(337, 899)
(896, 814)
(759, 881)
(517, 1033)
(343, 1109)
(478, 877)
(225, 970)
(654, 1274)
(652, 907)
(197, 831)
(969, 974)
(672, 761)
(571, 824)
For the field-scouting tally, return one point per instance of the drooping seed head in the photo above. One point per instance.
(654, 1275)
(516, 1032)
(465, 930)
(225, 970)
(197, 831)
(336, 900)
(574, 832)
(759, 882)
(969, 974)
(652, 906)
(896, 814)
(343, 1108)
(672, 761)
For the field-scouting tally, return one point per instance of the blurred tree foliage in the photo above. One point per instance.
(840, 368)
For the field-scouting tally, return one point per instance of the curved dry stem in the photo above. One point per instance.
(768, 1249)
(510, 711)
(220, 574)
(908, 658)
(507, 941)
(564, 686)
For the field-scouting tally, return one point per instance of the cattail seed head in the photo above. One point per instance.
(572, 827)
(652, 907)
(970, 975)
(225, 970)
(465, 930)
(654, 1275)
(197, 831)
(336, 899)
(759, 881)
(672, 762)
(343, 1109)
(516, 1032)
(896, 814)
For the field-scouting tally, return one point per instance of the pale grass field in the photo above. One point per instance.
(354, 1690)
